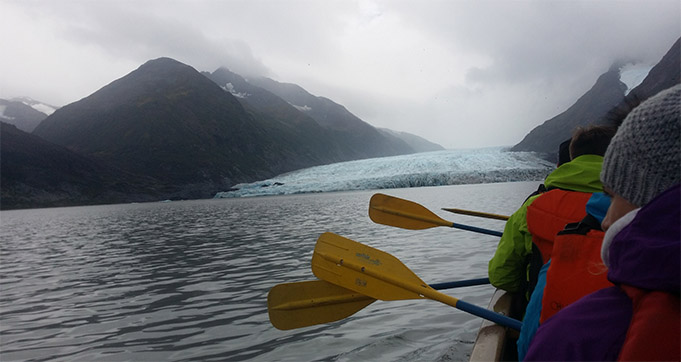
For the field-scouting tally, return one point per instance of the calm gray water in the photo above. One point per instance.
(184, 281)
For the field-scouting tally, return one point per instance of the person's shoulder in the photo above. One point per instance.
(581, 174)
(588, 159)
(599, 308)
(589, 329)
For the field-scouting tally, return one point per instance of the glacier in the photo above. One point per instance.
(633, 74)
(439, 168)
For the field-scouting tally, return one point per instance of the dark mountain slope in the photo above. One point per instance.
(259, 98)
(664, 74)
(589, 109)
(356, 133)
(37, 173)
(307, 135)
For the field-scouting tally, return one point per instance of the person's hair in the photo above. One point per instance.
(592, 140)
(617, 114)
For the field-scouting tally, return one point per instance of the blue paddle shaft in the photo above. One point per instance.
(460, 283)
(476, 229)
(497, 318)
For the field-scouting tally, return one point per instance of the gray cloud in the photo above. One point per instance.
(444, 70)
(136, 32)
(533, 39)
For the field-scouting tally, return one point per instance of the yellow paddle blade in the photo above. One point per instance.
(477, 213)
(304, 304)
(380, 275)
(393, 211)
(366, 270)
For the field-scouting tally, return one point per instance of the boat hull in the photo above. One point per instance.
(495, 342)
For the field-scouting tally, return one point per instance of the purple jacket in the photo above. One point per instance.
(644, 254)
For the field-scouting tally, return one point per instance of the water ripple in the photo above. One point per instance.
(188, 281)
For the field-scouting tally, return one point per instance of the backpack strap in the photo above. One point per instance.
(587, 224)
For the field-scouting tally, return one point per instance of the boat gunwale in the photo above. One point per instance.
(495, 342)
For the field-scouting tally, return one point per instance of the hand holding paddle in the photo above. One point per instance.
(393, 211)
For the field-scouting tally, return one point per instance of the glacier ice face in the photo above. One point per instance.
(450, 167)
(633, 74)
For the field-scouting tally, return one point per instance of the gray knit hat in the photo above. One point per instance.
(644, 157)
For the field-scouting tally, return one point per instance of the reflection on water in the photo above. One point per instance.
(189, 280)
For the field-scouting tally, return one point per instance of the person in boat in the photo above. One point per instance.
(563, 200)
(574, 270)
(639, 318)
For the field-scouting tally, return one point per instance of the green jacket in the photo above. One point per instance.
(508, 269)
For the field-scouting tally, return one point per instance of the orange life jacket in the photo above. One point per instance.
(549, 213)
(576, 267)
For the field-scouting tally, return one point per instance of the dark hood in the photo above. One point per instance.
(646, 253)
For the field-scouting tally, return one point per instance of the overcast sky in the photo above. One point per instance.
(469, 73)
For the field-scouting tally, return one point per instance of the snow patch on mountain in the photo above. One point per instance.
(633, 74)
(37, 105)
(304, 108)
(229, 87)
(450, 167)
(44, 108)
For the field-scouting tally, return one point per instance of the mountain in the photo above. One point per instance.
(604, 104)
(341, 125)
(419, 144)
(356, 133)
(665, 74)
(326, 146)
(166, 131)
(589, 109)
(167, 121)
(37, 173)
(19, 113)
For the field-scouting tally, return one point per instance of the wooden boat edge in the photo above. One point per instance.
(494, 342)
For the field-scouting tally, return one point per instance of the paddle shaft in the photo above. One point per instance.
(460, 283)
(436, 221)
(426, 292)
(477, 213)
(476, 229)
